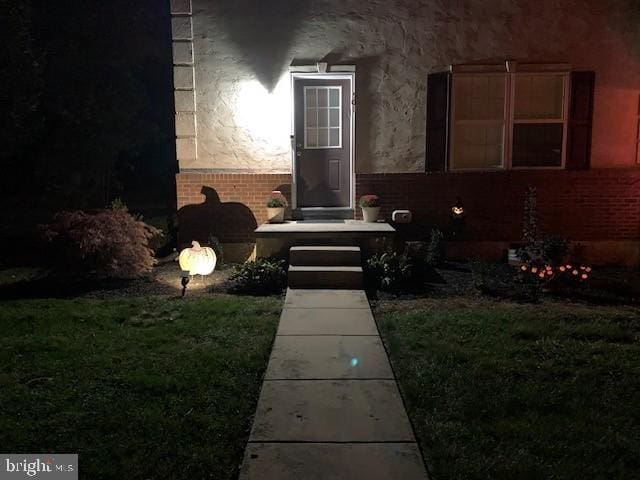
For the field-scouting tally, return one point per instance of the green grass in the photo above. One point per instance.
(505, 391)
(141, 388)
(20, 274)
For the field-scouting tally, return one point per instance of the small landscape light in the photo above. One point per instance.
(184, 281)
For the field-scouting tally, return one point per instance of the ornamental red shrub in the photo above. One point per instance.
(108, 243)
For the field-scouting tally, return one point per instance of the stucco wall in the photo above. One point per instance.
(242, 50)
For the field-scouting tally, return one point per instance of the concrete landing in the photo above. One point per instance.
(328, 228)
(330, 407)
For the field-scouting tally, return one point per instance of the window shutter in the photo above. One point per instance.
(438, 87)
(580, 121)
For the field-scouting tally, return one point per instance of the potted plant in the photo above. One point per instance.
(276, 205)
(370, 205)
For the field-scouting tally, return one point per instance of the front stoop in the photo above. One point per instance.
(333, 267)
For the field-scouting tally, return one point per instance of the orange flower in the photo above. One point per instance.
(534, 269)
(562, 268)
(585, 276)
(575, 272)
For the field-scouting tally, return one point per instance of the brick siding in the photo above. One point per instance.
(582, 205)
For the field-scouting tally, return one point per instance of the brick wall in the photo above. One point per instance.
(227, 206)
(582, 205)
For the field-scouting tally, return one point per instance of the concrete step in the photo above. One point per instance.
(308, 255)
(325, 277)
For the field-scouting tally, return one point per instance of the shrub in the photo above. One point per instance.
(276, 200)
(260, 277)
(554, 249)
(109, 243)
(435, 255)
(215, 244)
(369, 201)
(548, 250)
(390, 272)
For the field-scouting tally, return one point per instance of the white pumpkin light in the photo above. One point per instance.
(198, 260)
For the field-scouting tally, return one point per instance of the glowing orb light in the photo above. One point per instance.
(198, 260)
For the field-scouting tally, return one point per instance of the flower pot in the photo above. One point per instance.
(370, 214)
(275, 215)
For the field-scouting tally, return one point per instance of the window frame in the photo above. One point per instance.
(328, 108)
(511, 72)
(505, 116)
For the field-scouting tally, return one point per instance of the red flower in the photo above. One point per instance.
(369, 201)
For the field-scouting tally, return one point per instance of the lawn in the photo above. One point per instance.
(508, 391)
(154, 387)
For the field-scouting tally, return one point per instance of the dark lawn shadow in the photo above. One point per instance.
(58, 287)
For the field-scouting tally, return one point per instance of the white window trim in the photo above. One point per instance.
(509, 122)
(328, 108)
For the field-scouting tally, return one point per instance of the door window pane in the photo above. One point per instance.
(322, 98)
(334, 97)
(334, 137)
(323, 113)
(311, 137)
(323, 137)
(323, 120)
(334, 117)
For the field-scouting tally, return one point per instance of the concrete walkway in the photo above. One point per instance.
(329, 407)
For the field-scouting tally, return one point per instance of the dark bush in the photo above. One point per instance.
(391, 272)
(260, 277)
(109, 243)
(436, 254)
(215, 244)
